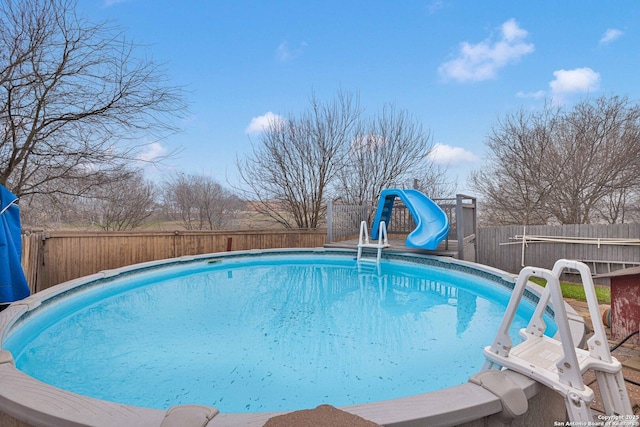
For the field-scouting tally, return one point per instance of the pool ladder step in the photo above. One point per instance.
(364, 242)
(558, 363)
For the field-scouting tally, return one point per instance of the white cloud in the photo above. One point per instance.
(578, 80)
(535, 95)
(87, 168)
(567, 82)
(260, 123)
(482, 61)
(108, 3)
(443, 154)
(284, 53)
(435, 6)
(512, 32)
(151, 152)
(610, 35)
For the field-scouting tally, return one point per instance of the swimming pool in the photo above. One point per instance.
(265, 331)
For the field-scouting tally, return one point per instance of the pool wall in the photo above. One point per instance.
(488, 399)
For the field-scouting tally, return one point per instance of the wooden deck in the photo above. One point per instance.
(446, 248)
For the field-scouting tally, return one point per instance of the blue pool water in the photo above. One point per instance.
(266, 333)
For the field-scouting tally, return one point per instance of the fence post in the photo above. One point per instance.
(460, 226)
(330, 221)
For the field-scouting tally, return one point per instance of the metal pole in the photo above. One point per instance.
(459, 226)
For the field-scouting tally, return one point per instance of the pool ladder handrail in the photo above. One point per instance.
(364, 242)
(557, 363)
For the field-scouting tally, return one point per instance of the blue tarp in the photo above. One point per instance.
(13, 284)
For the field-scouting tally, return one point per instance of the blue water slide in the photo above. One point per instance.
(432, 224)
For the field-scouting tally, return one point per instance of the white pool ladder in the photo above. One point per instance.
(363, 240)
(557, 363)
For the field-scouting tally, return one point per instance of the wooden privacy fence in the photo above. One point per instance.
(54, 257)
(603, 247)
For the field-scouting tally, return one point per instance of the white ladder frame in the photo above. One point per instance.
(364, 242)
(558, 364)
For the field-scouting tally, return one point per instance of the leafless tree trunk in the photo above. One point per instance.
(291, 170)
(73, 97)
(562, 166)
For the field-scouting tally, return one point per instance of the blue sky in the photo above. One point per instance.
(456, 66)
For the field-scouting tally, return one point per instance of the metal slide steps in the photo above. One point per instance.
(364, 242)
(557, 363)
(387, 208)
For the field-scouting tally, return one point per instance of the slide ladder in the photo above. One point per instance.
(364, 242)
(557, 363)
(386, 209)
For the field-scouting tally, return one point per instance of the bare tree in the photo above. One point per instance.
(73, 97)
(390, 149)
(124, 204)
(619, 206)
(291, 170)
(562, 166)
(601, 156)
(432, 180)
(515, 179)
(199, 202)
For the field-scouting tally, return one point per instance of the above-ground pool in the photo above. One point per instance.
(264, 331)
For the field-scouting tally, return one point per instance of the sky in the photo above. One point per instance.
(456, 67)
